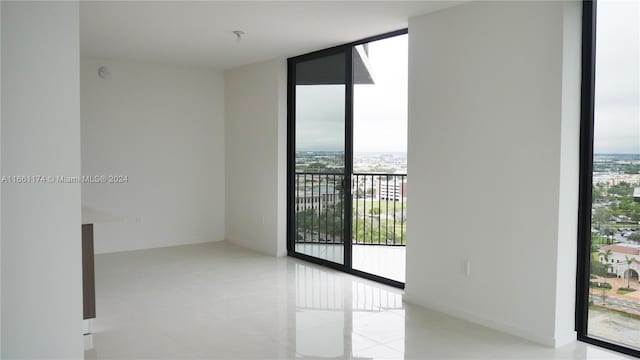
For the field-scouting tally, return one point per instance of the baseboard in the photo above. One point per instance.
(252, 248)
(566, 339)
(86, 326)
(149, 247)
(88, 341)
(87, 334)
(492, 324)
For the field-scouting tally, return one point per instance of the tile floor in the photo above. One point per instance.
(385, 261)
(214, 301)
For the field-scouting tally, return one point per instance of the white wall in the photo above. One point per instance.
(0, 182)
(255, 100)
(566, 258)
(41, 247)
(163, 127)
(493, 133)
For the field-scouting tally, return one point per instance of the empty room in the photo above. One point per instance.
(320, 179)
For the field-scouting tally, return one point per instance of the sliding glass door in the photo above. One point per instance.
(354, 222)
(321, 148)
(379, 181)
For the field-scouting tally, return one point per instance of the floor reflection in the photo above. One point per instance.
(218, 301)
(339, 316)
(385, 261)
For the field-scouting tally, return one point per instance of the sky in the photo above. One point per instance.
(320, 117)
(379, 113)
(617, 100)
(380, 110)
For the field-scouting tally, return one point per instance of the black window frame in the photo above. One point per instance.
(589, 23)
(291, 123)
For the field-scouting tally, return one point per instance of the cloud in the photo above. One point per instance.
(320, 117)
(617, 100)
(380, 110)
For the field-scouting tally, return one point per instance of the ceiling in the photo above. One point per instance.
(199, 32)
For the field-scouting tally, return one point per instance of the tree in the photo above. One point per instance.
(601, 215)
(606, 255)
(608, 231)
(597, 193)
(606, 267)
(629, 263)
(597, 239)
(304, 220)
(621, 189)
(628, 207)
(634, 236)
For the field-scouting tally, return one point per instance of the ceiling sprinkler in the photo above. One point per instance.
(238, 34)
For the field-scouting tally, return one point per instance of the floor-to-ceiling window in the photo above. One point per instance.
(608, 288)
(347, 135)
(380, 159)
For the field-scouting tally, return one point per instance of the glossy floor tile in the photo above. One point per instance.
(217, 301)
(381, 260)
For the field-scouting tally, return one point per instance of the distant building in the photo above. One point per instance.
(392, 190)
(636, 194)
(317, 197)
(618, 260)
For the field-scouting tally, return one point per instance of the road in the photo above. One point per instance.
(617, 303)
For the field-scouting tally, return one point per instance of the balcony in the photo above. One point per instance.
(378, 220)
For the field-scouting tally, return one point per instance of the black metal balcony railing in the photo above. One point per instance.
(379, 214)
(378, 208)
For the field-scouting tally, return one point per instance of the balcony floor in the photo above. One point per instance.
(381, 260)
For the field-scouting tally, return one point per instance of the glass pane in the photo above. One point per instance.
(380, 157)
(320, 153)
(614, 292)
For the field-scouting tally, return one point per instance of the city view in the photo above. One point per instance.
(614, 296)
(363, 162)
(379, 188)
(374, 218)
(378, 210)
(614, 291)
